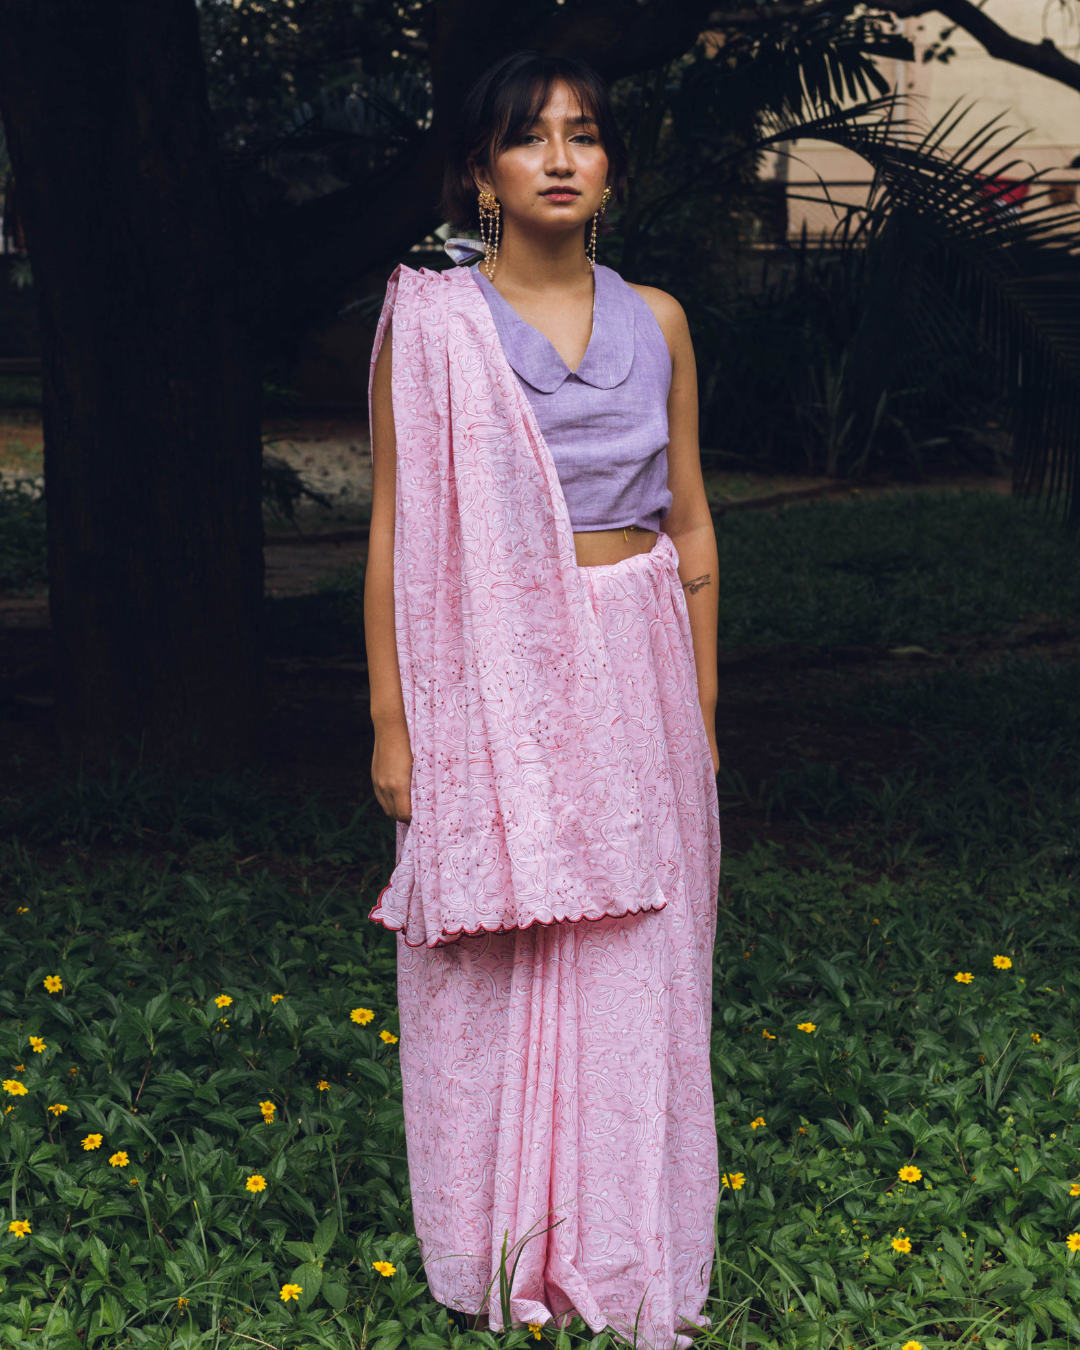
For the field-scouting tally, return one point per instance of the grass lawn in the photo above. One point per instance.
(198, 1050)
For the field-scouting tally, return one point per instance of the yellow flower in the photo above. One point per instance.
(181, 1303)
(223, 1000)
(963, 977)
(255, 1182)
(276, 998)
(323, 1085)
(19, 1068)
(37, 1045)
(384, 1268)
(19, 1227)
(534, 1327)
(767, 1035)
(909, 1174)
(289, 1291)
(1074, 1189)
(901, 1244)
(803, 1129)
(23, 909)
(911, 1345)
(758, 1123)
(1002, 963)
(91, 1141)
(1073, 1242)
(1035, 1038)
(58, 1108)
(387, 1038)
(735, 1180)
(134, 1181)
(362, 1015)
(267, 1109)
(13, 1086)
(53, 983)
(119, 1159)
(807, 1026)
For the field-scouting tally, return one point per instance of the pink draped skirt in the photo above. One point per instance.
(557, 1081)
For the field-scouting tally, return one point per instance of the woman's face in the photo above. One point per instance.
(554, 176)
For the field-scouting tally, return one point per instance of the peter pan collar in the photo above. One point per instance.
(610, 352)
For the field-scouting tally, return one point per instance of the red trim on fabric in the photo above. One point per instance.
(451, 939)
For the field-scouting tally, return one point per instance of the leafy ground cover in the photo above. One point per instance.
(900, 1144)
(22, 537)
(902, 568)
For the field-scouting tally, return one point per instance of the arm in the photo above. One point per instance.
(391, 765)
(689, 522)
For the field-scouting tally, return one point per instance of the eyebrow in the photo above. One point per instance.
(583, 119)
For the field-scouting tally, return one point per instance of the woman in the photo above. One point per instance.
(541, 615)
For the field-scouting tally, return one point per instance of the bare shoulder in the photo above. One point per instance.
(669, 314)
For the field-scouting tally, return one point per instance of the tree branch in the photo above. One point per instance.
(1045, 58)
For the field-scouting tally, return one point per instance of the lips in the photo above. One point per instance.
(561, 192)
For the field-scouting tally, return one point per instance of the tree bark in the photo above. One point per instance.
(151, 384)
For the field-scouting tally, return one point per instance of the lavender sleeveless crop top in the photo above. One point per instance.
(606, 422)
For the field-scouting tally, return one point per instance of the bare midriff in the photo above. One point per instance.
(601, 548)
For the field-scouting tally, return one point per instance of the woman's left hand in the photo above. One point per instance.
(708, 714)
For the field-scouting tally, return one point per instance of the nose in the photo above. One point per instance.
(558, 158)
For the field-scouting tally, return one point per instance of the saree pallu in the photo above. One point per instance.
(556, 1078)
(525, 805)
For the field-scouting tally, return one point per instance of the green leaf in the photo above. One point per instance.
(375, 1073)
(99, 1255)
(337, 1297)
(309, 1278)
(325, 1235)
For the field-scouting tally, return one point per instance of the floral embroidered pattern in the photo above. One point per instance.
(556, 1072)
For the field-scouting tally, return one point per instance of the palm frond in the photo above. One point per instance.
(943, 263)
(792, 70)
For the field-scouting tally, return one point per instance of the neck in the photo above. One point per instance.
(541, 262)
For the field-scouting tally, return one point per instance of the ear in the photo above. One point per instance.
(481, 181)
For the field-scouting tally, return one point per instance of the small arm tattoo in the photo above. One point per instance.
(692, 587)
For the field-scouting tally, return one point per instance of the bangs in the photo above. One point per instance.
(517, 107)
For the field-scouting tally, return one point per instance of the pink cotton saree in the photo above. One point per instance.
(556, 1075)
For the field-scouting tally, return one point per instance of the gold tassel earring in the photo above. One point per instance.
(489, 232)
(591, 247)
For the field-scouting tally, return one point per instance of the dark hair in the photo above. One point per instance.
(503, 104)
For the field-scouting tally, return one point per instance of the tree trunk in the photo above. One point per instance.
(151, 381)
